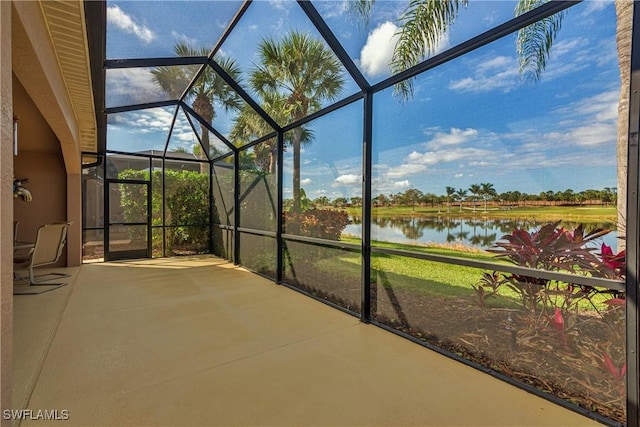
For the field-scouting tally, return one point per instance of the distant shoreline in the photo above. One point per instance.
(539, 213)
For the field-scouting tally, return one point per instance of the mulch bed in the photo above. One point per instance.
(514, 342)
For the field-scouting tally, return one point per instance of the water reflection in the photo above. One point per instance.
(477, 232)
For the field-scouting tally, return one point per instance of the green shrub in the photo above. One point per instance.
(186, 200)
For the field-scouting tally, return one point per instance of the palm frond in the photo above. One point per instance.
(534, 42)
(219, 88)
(182, 48)
(422, 25)
(360, 10)
(172, 80)
(301, 69)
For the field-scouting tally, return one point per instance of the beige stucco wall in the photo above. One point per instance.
(48, 186)
(49, 153)
(6, 210)
(74, 215)
(38, 73)
(40, 160)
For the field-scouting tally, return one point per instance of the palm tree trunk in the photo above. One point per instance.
(203, 106)
(272, 162)
(297, 136)
(273, 150)
(624, 14)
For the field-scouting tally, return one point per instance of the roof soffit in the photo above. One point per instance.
(66, 25)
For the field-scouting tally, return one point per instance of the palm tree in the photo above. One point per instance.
(296, 74)
(487, 191)
(208, 89)
(475, 190)
(461, 195)
(450, 192)
(249, 126)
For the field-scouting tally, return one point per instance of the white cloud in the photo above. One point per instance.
(378, 50)
(348, 179)
(190, 41)
(144, 121)
(401, 184)
(490, 19)
(182, 135)
(558, 69)
(593, 134)
(454, 137)
(497, 62)
(607, 53)
(306, 181)
(405, 170)
(134, 85)
(506, 79)
(221, 24)
(596, 6)
(277, 4)
(154, 120)
(278, 24)
(458, 175)
(383, 185)
(448, 155)
(603, 106)
(117, 17)
(333, 9)
(596, 119)
(569, 46)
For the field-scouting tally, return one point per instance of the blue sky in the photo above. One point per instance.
(471, 120)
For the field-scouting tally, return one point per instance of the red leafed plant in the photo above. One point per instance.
(555, 248)
(557, 321)
(589, 329)
(617, 373)
(551, 248)
(610, 265)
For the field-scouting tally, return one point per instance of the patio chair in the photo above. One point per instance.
(46, 250)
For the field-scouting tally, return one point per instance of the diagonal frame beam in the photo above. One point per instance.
(244, 95)
(334, 44)
(208, 126)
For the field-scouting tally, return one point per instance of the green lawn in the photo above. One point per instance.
(427, 277)
(546, 213)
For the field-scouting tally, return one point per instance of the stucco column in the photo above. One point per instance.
(74, 214)
(6, 211)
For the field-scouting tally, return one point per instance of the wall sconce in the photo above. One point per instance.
(15, 135)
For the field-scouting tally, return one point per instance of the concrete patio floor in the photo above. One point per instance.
(197, 341)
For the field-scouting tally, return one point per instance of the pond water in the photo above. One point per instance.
(475, 232)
